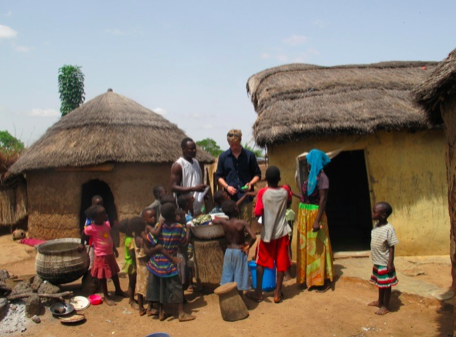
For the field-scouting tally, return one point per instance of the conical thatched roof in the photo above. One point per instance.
(296, 101)
(440, 84)
(108, 128)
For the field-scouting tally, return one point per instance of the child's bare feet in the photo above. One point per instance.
(186, 317)
(382, 311)
(152, 312)
(374, 304)
(121, 293)
(142, 311)
(108, 301)
(163, 315)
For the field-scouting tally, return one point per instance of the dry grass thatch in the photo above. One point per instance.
(13, 201)
(440, 84)
(296, 101)
(108, 128)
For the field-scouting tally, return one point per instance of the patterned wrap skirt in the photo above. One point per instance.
(315, 256)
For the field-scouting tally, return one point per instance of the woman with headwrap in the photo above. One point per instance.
(315, 258)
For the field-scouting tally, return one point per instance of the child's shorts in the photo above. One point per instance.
(275, 251)
(104, 267)
(164, 290)
(381, 278)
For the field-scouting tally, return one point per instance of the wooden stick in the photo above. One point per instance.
(58, 296)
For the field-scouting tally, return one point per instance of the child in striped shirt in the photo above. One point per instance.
(382, 249)
(164, 285)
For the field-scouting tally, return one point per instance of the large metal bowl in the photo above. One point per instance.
(208, 232)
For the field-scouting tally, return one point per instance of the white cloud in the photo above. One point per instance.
(21, 49)
(198, 116)
(43, 113)
(160, 111)
(208, 127)
(9, 13)
(7, 32)
(295, 40)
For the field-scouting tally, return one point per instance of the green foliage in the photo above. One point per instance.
(9, 143)
(209, 145)
(257, 152)
(71, 88)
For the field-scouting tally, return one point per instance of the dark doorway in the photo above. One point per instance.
(348, 207)
(92, 188)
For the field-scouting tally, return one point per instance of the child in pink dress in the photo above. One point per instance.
(104, 265)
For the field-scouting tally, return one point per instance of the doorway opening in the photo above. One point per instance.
(92, 188)
(348, 206)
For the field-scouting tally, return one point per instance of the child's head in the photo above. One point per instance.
(97, 200)
(123, 226)
(136, 224)
(273, 175)
(180, 216)
(168, 211)
(168, 198)
(126, 227)
(220, 197)
(185, 202)
(230, 208)
(97, 213)
(159, 191)
(382, 210)
(149, 216)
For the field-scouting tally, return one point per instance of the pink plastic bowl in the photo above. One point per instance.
(95, 299)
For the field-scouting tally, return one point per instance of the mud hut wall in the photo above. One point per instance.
(406, 169)
(54, 197)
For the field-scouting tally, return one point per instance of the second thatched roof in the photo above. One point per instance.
(297, 101)
(438, 86)
(108, 128)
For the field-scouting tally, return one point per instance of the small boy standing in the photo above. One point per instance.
(382, 249)
(235, 265)
(164, 285)
(273, 247)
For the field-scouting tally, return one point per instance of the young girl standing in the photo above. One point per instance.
(104, 265)
(382, 250)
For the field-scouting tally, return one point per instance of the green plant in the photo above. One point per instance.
(71, 88)
(9, 143)
(209, 145)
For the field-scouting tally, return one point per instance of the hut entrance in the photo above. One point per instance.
(348, 207)
(92, 188)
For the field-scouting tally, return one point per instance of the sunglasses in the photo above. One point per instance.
(233, 134)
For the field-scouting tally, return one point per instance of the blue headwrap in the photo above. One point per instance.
(317, 160)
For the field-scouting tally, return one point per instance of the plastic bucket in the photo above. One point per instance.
(159, 334)
(269, 277)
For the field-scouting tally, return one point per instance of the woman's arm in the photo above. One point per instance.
(321, 209)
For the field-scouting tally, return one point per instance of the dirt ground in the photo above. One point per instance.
(341, 312)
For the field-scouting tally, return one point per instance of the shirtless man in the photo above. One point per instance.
(186, 175)
(235, 266)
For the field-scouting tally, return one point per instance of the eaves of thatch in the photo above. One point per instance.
(108, 128)
(297, 101)
(438, 86)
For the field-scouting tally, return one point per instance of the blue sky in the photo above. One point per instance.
(190, 61)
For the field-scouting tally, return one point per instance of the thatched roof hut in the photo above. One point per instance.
(388, 149)
(297, 101)
(108, 128)
(111, 146)
(439, 86)
(437, 95)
